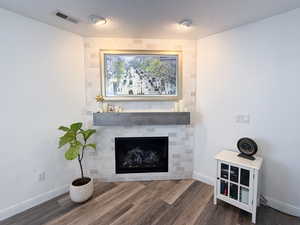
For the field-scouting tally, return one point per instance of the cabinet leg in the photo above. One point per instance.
(216, 184)
(254, 217)
(215, 200)
(215, 194)
(254, 203)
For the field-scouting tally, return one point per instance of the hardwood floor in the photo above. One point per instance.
(179, 202)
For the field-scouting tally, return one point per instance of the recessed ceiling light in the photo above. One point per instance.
(97, 20)
(186, 23)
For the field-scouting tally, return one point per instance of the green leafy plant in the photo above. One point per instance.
(77, 140)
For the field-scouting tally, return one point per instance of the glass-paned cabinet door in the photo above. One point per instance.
(244, 195)
(234, 191)
(245, 177)
(244, 190)
(234, 174)
(224, 171)
(224, 188)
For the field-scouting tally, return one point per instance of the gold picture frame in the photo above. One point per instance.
(106, 84)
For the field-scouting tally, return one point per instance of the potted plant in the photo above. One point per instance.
(76, 138)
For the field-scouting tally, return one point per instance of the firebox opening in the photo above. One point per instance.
(141, 154)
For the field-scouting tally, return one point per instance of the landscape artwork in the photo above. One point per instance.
(141, 75)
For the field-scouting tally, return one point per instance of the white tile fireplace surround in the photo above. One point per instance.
(101, 164)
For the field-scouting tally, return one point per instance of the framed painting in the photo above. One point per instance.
(132, 75)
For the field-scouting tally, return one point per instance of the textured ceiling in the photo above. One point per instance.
(150, 18)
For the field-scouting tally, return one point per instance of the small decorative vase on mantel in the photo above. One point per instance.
(100, 100)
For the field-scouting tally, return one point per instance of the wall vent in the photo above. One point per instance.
(66, 17)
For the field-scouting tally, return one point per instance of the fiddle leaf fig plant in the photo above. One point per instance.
(77, 140)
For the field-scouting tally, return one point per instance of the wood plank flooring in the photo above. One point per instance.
(173, 202)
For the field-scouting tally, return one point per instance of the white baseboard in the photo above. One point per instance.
(203, 178)
(283, 207)
(27, 204)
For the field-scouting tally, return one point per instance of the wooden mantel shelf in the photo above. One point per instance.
(141, 118)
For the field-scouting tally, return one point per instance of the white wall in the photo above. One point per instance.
(255, 70)
(42, 87)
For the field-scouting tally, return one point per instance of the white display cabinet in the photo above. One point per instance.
(237, 181)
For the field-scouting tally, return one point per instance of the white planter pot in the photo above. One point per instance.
(81, 193)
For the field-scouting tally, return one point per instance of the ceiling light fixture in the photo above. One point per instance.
(97, 20)
(186, 23)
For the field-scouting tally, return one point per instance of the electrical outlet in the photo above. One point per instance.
(42, 176)
(242, 118)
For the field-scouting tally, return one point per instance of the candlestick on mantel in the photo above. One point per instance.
(181, 106)
(176, 107)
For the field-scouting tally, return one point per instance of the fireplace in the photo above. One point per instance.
(141, 154)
